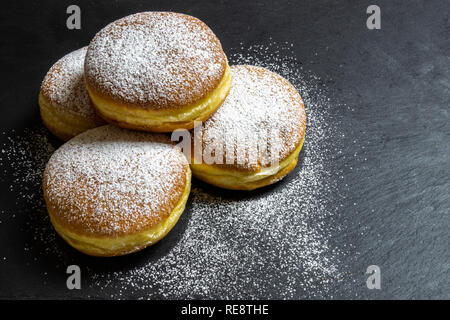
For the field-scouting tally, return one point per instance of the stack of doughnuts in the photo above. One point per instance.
(119, 183)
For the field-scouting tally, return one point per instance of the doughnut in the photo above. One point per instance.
(156, 71)
(64, 103)
(254, 139)
(110, 191)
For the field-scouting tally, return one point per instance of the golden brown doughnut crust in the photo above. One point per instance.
(110, 182)
(154, 60)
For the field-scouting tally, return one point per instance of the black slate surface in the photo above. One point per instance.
(396, 80)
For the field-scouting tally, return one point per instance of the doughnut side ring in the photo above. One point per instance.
(162, 120)
(239, 180)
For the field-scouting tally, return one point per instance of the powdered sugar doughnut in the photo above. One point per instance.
(254, 139)
(110, 191)
(64, 102)
(156, 71)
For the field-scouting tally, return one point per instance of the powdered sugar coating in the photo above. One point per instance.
(63, 86)
(109, 181)
(263, 118)
(156, 60)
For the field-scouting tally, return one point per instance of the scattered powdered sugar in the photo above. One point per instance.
(22, 160)
(24, 155)
(64, 85)
(112, 181)
(261, 122)
(271, 243)
(155, 59)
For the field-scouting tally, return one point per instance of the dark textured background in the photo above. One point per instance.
(396, 79)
